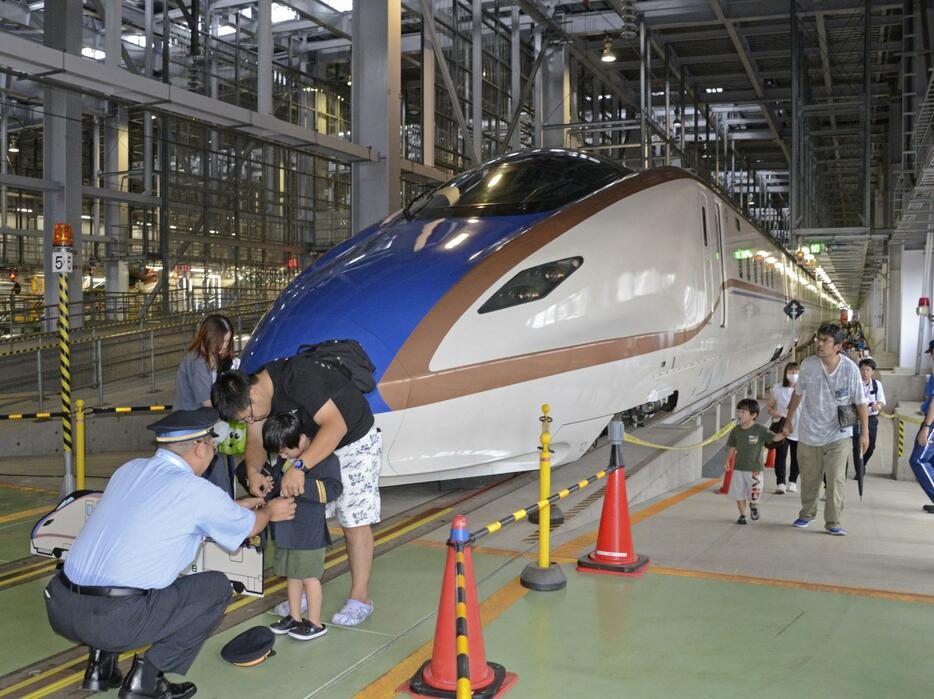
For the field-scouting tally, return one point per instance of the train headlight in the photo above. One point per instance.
(532, 284)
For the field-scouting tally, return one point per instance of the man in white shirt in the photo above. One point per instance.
(828, 381)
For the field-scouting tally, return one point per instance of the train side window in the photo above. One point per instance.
(703, 216)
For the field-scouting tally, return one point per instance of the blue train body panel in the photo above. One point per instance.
(378, 286)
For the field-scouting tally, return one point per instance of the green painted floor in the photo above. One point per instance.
(27, 636)
(663, 636)
(14, 534)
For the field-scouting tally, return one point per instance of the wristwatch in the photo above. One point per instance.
(924, 424)
(299, 464)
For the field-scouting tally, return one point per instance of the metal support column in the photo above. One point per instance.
(61, 157)
(867, 114)
(515, 90)
(264, 57)
(428, 97)
(644, 96)
(476, 77)
(376, 68)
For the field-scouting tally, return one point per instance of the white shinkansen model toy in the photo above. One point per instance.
(53, 535)
(546, 276)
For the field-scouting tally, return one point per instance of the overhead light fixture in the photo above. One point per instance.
(608, 56)
(13, 147)
(629, 29)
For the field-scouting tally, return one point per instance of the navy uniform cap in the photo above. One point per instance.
(184, 425)
(249, 648)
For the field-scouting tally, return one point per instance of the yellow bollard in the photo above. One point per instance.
(544, 490)
(545, 575)
(79, 444)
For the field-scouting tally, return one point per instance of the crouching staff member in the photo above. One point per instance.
(120, 588)
(337, 418)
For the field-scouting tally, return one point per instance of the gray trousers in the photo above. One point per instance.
(176, 620)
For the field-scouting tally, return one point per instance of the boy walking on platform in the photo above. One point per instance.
(300, 545)
(745, 443)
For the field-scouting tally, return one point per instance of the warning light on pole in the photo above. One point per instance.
(924, 306)
(62, 236)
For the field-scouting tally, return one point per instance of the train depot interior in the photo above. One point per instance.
(575, 238)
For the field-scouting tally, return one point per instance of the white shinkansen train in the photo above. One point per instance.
(546, 276)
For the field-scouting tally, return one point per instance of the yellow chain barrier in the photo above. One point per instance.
(710, 440)
(903, 418)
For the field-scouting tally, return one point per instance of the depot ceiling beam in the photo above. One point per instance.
(740, 46)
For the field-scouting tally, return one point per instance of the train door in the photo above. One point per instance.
(721, 266)
(706, 250)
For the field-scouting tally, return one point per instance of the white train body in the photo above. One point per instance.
(675, 293)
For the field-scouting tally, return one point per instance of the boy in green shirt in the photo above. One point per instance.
(745, 445)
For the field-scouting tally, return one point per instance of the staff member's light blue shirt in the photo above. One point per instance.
(149, 524)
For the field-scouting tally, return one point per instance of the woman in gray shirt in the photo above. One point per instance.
(211, 352)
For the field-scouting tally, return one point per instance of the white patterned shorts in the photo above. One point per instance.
(360, 461)
(746, 485)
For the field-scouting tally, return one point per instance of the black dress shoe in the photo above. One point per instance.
(929, 508)
(101, 673)
(136, 686)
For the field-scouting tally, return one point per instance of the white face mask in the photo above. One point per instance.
(792, 378)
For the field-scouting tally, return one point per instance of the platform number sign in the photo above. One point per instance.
(793, 309)
(62, 261)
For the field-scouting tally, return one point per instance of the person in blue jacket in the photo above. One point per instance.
(300, 543)
(922, 455)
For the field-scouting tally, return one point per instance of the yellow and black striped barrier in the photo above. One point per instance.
(123, 409)
(31, 416)
(462, 643)
(901, 438)
(551, 500)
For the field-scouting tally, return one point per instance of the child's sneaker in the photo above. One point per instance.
(741, 519)
(836, 531)
(792, 487)
(284, 625)
(754, 512)
(780, 489)
(305, 630)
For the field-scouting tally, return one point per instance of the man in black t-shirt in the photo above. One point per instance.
(338, 419)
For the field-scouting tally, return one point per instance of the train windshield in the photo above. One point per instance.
(523, 183)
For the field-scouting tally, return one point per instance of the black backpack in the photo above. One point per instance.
(348, 356)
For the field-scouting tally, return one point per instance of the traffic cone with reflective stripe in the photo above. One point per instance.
(727, 475)
(614, 554)
(438, 677)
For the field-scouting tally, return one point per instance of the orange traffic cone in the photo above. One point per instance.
(438, 677)
(727, 476)
(770, 458)
(614, 553)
